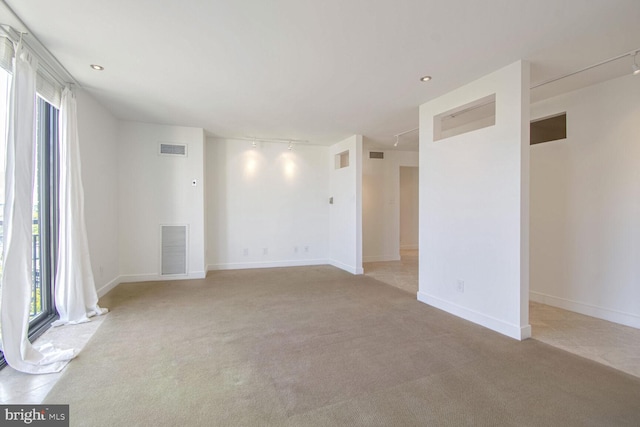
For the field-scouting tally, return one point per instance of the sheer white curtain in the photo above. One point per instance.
(15, 292)
(76, 297)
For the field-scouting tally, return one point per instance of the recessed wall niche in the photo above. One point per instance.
(342, 160)
(548, 129)
(475, 115)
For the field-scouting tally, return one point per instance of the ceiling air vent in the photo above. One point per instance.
(376, 155)
(173, 149)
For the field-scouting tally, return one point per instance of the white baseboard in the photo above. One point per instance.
(514, 331)
(381, 258)
(266, 264)
(410, 247)
(104, 289)
(627, 319)
(351, 269)
(129, 278)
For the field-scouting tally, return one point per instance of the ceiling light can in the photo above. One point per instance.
(97, 67)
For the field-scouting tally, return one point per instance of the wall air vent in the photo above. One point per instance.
(376, 155)
(174, 249)
(167, 149)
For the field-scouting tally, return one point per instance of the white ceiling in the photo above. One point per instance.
(318, 70)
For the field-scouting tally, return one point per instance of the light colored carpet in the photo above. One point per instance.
(318, 346)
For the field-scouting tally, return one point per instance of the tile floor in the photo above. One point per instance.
(19, 388)
(605, 342)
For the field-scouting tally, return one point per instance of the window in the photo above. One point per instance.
(44, 230)
(44, 217)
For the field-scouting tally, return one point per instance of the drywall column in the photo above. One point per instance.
(345, 212)
(159, 190)
(474, 207)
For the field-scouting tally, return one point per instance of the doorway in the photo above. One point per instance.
(409, 236)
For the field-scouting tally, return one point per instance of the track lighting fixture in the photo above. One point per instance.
(290, 147)
(635, 68)
(398, 135)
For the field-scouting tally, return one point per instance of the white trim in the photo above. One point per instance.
(104, 289)
(410, 247)
(345, 267)
(508, 329)
(129, 278)
(380, 258)
(627, 319)
(266, 264)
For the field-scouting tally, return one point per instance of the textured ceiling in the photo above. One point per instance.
(318, 70)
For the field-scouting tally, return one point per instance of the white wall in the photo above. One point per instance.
(585, 204)
(474, 208)
(156, 190)
(381, 203)
(409, 210)
(266, 197)
(345, 214)
(98, 136)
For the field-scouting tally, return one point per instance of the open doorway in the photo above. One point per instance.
(401, 222)
(408, 211)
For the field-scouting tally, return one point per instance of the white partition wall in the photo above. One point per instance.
(345, 209)
(585, 204)
(474, 203)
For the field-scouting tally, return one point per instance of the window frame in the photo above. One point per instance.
(47, 156)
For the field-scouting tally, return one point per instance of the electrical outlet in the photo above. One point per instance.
(306, 248)
(295, 249)
(460, 286)
(265, 251)
(246, 251)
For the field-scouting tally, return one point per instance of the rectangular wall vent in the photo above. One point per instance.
(173, 149)
(376, 155)
(174, 249)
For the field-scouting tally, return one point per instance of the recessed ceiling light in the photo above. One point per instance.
(97, 67)
(425, 78)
